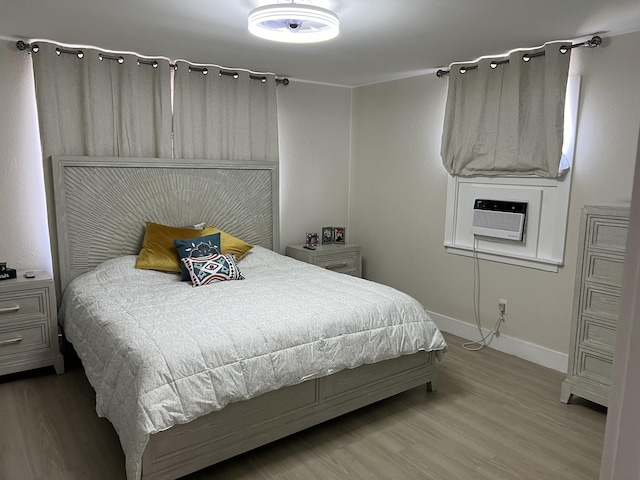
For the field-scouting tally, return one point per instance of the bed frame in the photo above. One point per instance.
(99, 212)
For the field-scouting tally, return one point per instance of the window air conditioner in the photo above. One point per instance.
(499, 219)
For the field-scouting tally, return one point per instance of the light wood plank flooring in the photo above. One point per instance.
(493, 417)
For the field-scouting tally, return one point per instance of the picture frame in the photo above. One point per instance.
(339, 235)
(312, 239)
(327, 235)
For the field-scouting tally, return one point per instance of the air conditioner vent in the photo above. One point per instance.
(499, 219)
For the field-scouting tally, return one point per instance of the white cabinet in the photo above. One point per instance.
(28, 325)
(603, 236)
(339, 258)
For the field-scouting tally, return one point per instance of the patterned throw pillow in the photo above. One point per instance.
(196, 247)
(213, 268)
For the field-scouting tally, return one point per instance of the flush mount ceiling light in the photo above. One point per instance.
(293, 23)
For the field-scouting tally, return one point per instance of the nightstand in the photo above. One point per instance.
(339, 258)
(28, 324)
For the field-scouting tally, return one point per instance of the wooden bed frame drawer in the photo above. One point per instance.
(227, 424)
(186, 448)
(346, 381)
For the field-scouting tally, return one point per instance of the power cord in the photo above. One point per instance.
(485, 340)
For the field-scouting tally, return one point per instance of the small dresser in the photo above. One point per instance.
(599, 272)
(28, 325)
(339, 258)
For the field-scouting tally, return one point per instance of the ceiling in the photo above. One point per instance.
(380, 40)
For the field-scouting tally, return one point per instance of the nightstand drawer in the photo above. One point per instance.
(24, 338)
(341, 258)
(22, 305)
(343, 263)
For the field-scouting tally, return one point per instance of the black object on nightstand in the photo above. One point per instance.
(7, 273)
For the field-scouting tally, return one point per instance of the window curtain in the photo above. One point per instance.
(110, 107)
(88, 106)
(507, 120)
(224, 115)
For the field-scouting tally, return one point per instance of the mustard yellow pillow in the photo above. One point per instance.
(229, 243)
(158, 251)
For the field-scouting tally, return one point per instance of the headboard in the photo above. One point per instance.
(102, 204)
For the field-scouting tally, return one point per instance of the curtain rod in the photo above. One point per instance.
(21, 45)
(594, 41)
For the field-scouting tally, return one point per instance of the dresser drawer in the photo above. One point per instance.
(22, 305)
(601, 302)
(608, 233)
(20, 338)
(595, 365)
(599, 332)
(344, 262)
(604, 269)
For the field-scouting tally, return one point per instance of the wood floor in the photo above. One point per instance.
(493, 417)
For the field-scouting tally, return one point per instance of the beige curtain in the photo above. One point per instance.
(223, 116)
(507, 120)
(110, 107)
(88, 106)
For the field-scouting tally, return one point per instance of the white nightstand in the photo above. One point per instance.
(28, 324)
(339, 258)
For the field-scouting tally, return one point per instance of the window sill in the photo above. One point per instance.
(547, 265)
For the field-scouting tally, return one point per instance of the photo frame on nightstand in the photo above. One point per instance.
(327, 235)
(312, 240)
(338, 235)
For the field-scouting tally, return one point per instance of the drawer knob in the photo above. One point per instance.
(11, 341)
(10, 309)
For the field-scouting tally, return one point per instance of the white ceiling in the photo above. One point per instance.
(380, 40)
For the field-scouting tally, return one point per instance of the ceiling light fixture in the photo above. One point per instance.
(293, 23)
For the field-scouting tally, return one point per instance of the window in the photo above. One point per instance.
(547, 213)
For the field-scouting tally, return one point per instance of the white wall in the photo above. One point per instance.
(315, 134)
(622, 435)
(399, 191)
(24, 236)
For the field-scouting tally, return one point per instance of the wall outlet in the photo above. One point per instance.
(502, 306)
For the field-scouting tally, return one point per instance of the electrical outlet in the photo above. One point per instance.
(502, 306)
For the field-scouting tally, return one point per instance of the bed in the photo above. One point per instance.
(193, 376)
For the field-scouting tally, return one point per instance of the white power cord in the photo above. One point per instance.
(485, 340)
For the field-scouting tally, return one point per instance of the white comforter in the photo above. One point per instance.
(159, 352)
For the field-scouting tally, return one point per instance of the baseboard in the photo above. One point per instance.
(503, 343)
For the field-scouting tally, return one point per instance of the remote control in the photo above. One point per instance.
(309, 247)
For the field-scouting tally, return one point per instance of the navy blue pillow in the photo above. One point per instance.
(196, 247)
